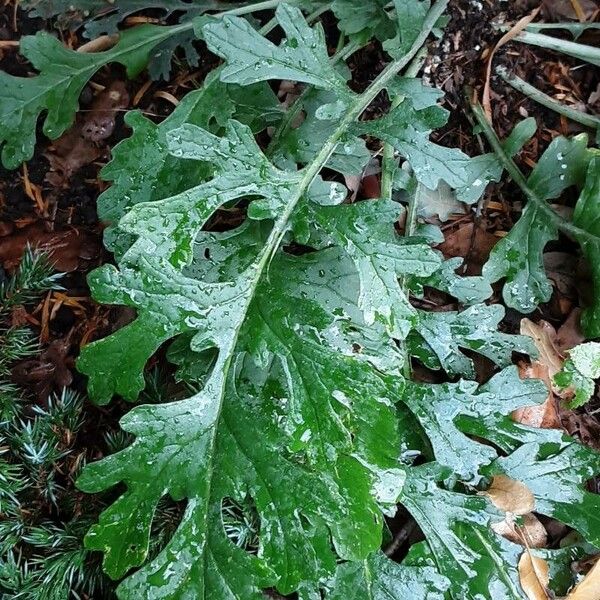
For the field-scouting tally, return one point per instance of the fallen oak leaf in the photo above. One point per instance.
(510, 495)
(545, 415)
(534, 576)
(528, 532)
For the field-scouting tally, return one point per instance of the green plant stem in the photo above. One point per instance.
(388, 167)
(517, 176)
(580, 51)
(532, 92)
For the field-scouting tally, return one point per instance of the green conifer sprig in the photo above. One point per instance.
(42, 523)
(34, 276)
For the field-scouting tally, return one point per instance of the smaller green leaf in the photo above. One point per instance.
(439, 337)
(522, 132)
(363, 20)
(477, 562)
(142, 169)
(466, 289)
(102, 17)
(365, 230)
(518, 257)
(63, 74)
(421, 95)
(408, 130)
(379, 578)
(250, 57)
(440, 409)
(300, 144)
(410, 15)
(563, 164)
(579, 372)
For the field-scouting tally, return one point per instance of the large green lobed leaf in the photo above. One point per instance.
(294, 329)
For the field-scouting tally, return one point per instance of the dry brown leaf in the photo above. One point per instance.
(67, 249)
(543, 415)
(50, 370)
(589, 588)
(530, 533)
(510, 495)
(534, 575)
(99, 121)
(569, 333)
(543, 336)
(561, 268)
(551, 358)
(476, 243)
(559, 10)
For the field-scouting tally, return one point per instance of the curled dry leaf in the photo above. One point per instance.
(510, 495)
(534, 576)
(529, 532)
(543, 336)
(589, 588)
(545, 415)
